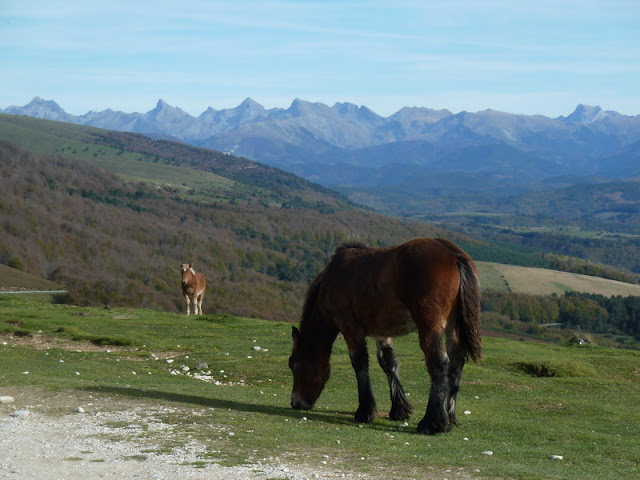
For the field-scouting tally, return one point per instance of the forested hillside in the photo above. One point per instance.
(116, 242)
(110, 215)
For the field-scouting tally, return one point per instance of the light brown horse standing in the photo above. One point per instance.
(428, 285)
(193, 286)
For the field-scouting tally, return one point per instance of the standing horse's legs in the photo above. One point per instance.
(199, 304)
(436, 419)
(400, 406)
(187, 300)
(457, 359)
(360, 362)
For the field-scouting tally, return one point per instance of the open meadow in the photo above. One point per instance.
(543, 281)
(220, 386)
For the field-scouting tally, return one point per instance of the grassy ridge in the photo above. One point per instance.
(136, 157)
(538, 281)
(580, 410)
(14, 279)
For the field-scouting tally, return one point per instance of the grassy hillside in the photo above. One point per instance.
(524, 402)
(193, 172)
(539, 281)
(12, 279)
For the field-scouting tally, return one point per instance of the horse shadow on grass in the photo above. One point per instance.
(341, 418)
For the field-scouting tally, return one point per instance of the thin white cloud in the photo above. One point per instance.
(499, 50)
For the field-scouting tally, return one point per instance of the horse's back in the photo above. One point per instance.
(201, 281)
(422, 263)
(382, 289)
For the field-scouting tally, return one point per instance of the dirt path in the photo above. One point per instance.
(108, 438)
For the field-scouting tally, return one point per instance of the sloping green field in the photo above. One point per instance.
(12, 279)
(524, 402)
(540, 281)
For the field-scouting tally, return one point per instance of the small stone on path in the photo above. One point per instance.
(21, 413)
(6, 399)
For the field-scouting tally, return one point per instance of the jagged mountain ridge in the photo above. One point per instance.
(308, 134)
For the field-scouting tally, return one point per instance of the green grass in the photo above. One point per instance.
(491, 278)
(587, 411)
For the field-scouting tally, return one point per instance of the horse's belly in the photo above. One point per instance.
(392, 323)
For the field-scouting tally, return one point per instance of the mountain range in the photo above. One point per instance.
(345, 133)
(416, 153)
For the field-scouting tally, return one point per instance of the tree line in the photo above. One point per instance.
(615, 315)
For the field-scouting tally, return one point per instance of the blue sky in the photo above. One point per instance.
(531, 57)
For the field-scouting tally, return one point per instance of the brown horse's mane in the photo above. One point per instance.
(313, 291)
(310, 300)
(352, 244)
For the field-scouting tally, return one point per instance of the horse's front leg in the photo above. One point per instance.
(436, 419)
(360, 362)
(187, 300)
(400, 406)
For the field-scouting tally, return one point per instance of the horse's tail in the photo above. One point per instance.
(468, 324)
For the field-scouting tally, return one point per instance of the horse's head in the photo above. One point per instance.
(311, 370)
(186, 269)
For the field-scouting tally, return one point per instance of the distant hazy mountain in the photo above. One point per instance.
(315, 140)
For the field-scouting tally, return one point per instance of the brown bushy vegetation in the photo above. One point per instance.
(117, 243)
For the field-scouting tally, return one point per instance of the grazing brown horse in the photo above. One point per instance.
(428, 285)
(193, 285)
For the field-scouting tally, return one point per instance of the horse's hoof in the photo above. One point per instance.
(428, 428)
(399, 415)
(364, 417)
(400, 411)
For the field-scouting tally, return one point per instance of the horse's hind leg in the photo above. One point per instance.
(400, 406)
(436, 419)
(457, 359)
(199, 304)
(360, 362)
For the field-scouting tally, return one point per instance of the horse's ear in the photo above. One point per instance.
(190, 266)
